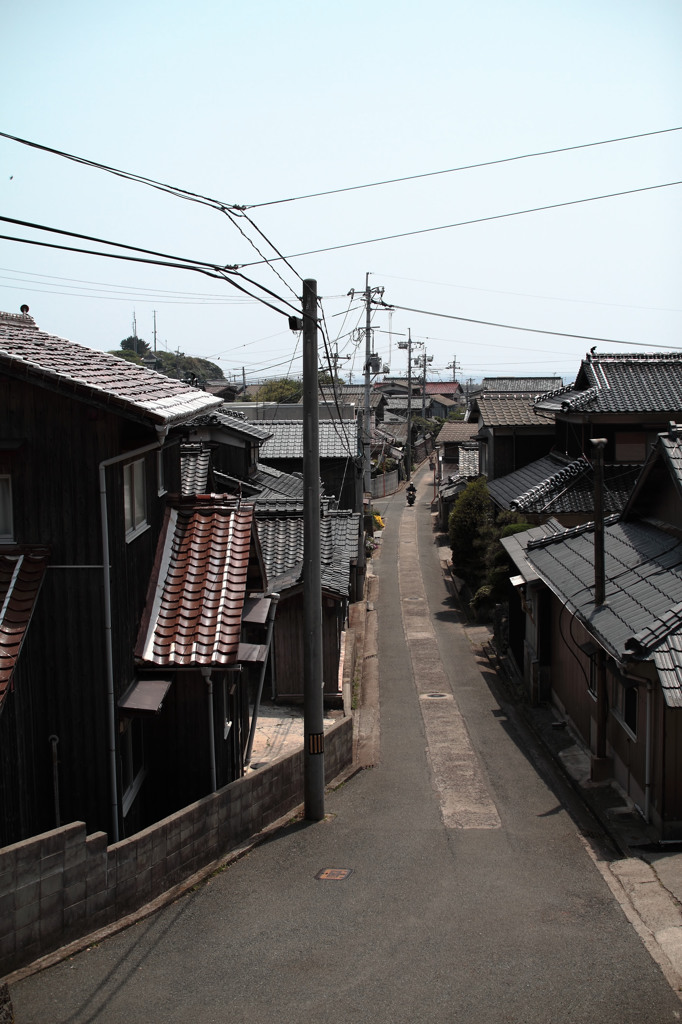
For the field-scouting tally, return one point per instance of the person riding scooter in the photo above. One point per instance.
(411, 493)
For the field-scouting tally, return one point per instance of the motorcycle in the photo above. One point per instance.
(411, 494)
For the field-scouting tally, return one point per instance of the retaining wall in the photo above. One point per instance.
(63, 884)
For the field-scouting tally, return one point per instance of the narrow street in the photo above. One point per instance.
(471, 895)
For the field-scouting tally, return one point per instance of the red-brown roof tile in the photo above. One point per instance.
(196, 596)
(21, 576)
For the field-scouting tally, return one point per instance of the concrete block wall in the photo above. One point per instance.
(63, 884)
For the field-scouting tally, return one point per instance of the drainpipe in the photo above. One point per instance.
(649, 752)
(108, 643)
(206, 673)
(256, 704)
(54, 740)
(599, 764)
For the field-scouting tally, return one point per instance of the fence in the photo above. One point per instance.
(63, 884)
(385, 483)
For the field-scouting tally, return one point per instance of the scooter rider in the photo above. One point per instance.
(411, 493)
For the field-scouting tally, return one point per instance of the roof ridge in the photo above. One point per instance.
(571, 531)
(571, 470)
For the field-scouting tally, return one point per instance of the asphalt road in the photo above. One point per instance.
(471, 897)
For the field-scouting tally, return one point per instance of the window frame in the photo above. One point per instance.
(135, 503)
(7, 536)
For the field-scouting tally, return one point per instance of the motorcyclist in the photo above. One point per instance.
(411, 493)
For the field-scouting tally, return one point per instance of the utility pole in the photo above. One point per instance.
(372, 365)
(154, 311)
(313, 708)
(408, 447)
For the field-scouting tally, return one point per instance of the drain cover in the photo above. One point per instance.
(334, 874)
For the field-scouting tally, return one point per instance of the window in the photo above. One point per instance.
(6, 519)
(135, 498)
(133, 770)
(625, 709)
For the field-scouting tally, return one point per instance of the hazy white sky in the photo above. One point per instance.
(249, 103)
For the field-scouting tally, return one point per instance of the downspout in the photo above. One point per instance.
(206, 673)
(599, 762)
(54, 740)
(256, 704)
(649, 752)
(108, 643)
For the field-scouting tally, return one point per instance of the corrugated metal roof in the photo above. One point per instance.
(195, 602)
(21, 576)
(337, 439)
(46, 360)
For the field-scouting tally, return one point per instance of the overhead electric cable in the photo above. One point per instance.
(531, 330)
(180, 193)
(187, 262)
(215, 272)
(463, 167)
(475, 220)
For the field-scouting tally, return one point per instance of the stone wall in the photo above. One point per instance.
(63, 884)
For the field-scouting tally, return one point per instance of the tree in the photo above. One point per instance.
(471, 514)
(135, 344)
(285, 390)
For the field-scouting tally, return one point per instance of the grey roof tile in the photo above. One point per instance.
(99, 377)
(337, 439)
(627, 383)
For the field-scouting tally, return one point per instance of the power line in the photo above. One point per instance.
(463, 167)
(178, 263)
(532, 330)
(475, 220)
(180, 193)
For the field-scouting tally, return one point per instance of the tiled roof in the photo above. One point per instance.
(511, 411)
(282, 541)
(400, 403)
(233, 422)
(521, 385)
(454, 431)
(352, 393)
(194, 605)
(53, 362)
(337, 439)
(630, 383)
(21, 576)
(447, 388)
(194, 463)
(643, 569)
(469, 462)
(275, 480)
(555, 485)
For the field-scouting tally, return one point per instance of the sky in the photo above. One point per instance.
(253, 104)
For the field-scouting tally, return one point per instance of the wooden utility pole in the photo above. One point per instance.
(313, 707)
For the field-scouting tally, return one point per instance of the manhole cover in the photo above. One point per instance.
(436, 696)
(333, 874)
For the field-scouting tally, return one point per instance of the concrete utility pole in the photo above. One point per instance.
(408, 447)
(372, 365)
(313, 707)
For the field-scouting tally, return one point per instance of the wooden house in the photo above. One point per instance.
(605, 647)
(340, 467)
(512, 432)
(89, 469)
